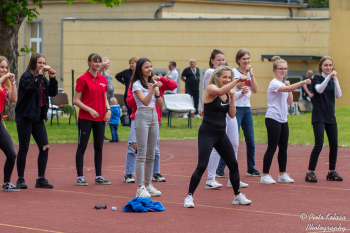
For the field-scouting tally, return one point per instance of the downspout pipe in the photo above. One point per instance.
(291, 12)
(161, 6)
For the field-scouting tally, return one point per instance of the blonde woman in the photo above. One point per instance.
(7, 91)
(212, 132)
(325, 87)
(279, 96)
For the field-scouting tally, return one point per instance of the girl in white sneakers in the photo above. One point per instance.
(217, 58)
(279, 96)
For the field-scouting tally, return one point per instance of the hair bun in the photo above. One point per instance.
(274, 58)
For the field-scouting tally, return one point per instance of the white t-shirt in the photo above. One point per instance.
(173, 75)
(206, 78)
(277, 106)
(137, 86)
(245, 100)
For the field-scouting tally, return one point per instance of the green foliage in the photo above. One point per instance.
(318, 3)
(68, 109)
(26, 50)
(19, 8)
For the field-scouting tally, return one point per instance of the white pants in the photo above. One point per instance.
(233, 135)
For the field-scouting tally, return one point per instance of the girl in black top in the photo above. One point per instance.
(325, 87)
(212, 134)
(31, 111)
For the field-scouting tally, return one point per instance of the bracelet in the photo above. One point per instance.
(109, 110)
(157, 96)
(252, 75)
(14, 82)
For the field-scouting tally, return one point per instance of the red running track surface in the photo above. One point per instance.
(275, 208)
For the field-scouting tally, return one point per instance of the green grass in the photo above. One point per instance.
(300, 130)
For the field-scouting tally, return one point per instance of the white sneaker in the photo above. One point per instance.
(189, 201)
(285, 178)
(197, 116)
(267, 180)
(212, 184)
(185, 116)
(153, 191)
(142, 192)
(241, 184)
(240, 199)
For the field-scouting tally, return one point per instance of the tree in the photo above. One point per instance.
(12, 15)
(318, 3)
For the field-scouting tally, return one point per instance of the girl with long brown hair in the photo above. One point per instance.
(34, 90)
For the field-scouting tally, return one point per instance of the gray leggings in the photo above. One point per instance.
(147, 129)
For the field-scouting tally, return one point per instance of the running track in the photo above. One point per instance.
(275, 208)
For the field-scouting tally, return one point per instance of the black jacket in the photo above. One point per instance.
(125, 77)
(29, 95)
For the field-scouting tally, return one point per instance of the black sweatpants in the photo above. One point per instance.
(332, 134)
(25, 128)
(277, 134)
(195, 96)
(6, 145)
(207, 140)
(98, 131)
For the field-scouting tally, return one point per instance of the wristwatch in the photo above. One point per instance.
(14, 82)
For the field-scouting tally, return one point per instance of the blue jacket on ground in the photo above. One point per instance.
(141, 204)
(115, 115)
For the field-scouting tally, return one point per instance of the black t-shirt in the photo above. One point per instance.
(125, 77)
(323, 104)
(308, 86)
(192, 79)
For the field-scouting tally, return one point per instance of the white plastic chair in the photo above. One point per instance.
(181, 103)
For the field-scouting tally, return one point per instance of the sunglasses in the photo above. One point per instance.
(98, 206)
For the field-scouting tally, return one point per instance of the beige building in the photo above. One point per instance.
(166, 31)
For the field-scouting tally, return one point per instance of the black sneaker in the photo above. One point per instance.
(21, 183)
(253, 173)
(111, 140)
(334, 176)
(9, 187)
(220, 174)
(128, 178)
(43, 183)
(106, 139)
(158, 177)
(101, 180)
(310, 177)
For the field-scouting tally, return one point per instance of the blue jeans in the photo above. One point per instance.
(114, 131)
(131, 156)
(245, 119)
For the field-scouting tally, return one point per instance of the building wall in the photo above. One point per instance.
(54, 11)
(165, 40)
(339, 45)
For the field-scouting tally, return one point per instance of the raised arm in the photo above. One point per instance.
(294, 86)
(215, 91)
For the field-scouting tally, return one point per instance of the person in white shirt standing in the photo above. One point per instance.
(279, 96)
(172, 74)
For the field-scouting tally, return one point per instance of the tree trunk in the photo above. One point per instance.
(9, 49)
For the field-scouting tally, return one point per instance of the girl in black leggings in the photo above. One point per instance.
(31, 111)
(91, 98)
(211, 134)
(279, 96)
(325, 87)
(7, 91)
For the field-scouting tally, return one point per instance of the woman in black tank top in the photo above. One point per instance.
(212, 134)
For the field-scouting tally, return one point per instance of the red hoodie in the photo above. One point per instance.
(168, 85)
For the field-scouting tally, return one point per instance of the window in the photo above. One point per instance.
(36, 40)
